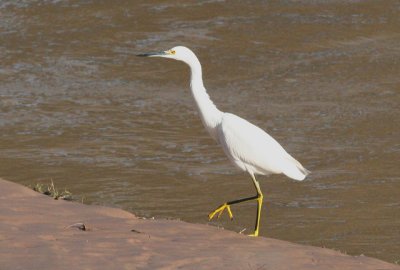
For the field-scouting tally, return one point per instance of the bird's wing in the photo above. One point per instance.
(247, 143)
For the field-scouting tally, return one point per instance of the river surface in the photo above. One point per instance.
(322, 77)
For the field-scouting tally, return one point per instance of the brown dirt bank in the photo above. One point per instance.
(35, 233)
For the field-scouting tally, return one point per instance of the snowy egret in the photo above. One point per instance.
(247, 146)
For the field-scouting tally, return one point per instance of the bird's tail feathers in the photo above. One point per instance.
(295, 170)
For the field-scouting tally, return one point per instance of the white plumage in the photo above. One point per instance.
(247, 146)
(252, 149)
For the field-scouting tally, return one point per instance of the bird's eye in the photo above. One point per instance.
(173, 52)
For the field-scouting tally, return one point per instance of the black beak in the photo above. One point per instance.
(150, 54)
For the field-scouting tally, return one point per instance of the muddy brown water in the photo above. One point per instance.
(322, 77)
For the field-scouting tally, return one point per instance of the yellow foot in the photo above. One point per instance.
(255, 234)
(220, 210)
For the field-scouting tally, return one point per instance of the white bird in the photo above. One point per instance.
(247, 146)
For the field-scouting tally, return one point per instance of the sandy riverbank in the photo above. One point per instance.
(36, 233)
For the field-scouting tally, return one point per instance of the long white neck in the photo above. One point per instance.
(210, 115)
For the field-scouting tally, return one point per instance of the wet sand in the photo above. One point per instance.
(36, 233)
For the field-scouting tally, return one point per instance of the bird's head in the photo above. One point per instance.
(180, 53)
